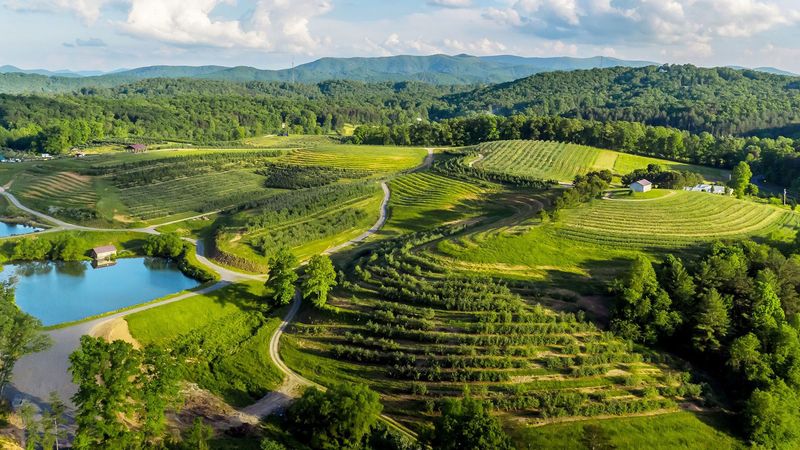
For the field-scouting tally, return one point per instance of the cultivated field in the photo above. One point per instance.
(196, 194)
(423, 200)
(677, 220)
(416, 332)
(561, 161)
(359, 157)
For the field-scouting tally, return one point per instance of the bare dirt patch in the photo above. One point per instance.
(115, 330)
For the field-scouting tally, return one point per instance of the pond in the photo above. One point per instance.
(57, 292)
(13, 229)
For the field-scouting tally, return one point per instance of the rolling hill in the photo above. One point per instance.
(436, 69)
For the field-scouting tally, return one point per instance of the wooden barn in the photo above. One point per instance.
(104, 253)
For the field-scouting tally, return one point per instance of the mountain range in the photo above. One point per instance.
(435, 69)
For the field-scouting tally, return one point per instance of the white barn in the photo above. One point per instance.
(710, 188)
(641, 186)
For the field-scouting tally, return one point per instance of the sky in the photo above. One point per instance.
(271, 34)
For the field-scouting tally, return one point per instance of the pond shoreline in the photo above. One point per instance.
(58, 292)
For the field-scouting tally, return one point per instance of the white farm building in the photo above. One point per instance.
(710, 188)
(641, 186)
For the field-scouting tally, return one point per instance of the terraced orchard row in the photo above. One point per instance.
(417, 333)
(676, 220)
(423, 200)
(561, 161)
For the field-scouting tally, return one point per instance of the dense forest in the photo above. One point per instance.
(721, 102)
(205, 111)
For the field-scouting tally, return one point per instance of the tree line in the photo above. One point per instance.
(733, 311)
(775, 160)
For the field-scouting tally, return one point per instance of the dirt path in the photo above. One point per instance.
(375, 228)
(427, 162)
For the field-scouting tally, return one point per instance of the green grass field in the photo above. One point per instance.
(562, 161)
(361, 157)
(681, 430)
(679, 219)
(232, 359)
(595, 241)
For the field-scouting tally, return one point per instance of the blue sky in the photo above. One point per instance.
(111, 34)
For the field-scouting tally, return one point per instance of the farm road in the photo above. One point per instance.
(294, 382)
(36, 375)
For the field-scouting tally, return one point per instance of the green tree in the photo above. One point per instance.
(52, 422)
(157, 389)
(773, 417)
(746, 357)
(339, 418)
(712, 322)
(282, 276)
(678, 283)
(269, 444)
(167, 245)
(767, 312)
(20, 334)
(198, 436)
(104, 372)
(594, 437)
(740, 178)
(30, 426)
(320, 279)
(643, 311)
(466, 424)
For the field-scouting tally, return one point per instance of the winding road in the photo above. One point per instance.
(37, 375)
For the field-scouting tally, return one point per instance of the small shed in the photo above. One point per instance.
(104, 253)
(136, 148)
(641, 186)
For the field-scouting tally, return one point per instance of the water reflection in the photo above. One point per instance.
(57, 292)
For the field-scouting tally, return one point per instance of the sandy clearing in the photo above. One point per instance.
(115, 330)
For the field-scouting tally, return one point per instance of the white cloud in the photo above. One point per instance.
(480, 47)
(280, 25)
(690, 26)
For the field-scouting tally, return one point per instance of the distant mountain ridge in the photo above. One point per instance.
(435, 69)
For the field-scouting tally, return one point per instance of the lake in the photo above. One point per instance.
(13, 229)
(57, 292)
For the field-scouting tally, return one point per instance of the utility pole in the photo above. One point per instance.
(784, 196)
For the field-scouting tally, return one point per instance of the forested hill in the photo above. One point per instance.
(718, 100)
(435, 69)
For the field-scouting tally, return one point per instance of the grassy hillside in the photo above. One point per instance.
(416, 332)
(594, 242)
(661, 432)
(425, 200)
(562, 161)
(229, 324)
